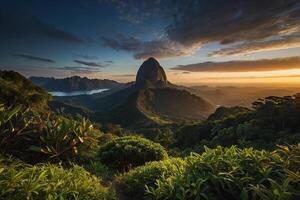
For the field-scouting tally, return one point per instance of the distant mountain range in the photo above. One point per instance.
(75, 83)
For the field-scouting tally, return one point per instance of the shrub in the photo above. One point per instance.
(133, 183)
(130, 151)
(233, 173)
(34, 137)
(40, 182)
(62, 139)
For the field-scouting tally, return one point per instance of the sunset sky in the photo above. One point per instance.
(196, 41)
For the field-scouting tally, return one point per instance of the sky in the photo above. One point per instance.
(212, 42)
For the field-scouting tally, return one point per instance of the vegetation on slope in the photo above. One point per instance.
(271, 121)
(16, 89)
(128, 152)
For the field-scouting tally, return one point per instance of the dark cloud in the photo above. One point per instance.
(243, 65)
(19, 24)
(161, 48)
(200, 21)
(78, 69)
(192, 23)
(88, 57)
(36, 58)
(109, 61)
(91, 64)
(253, 47)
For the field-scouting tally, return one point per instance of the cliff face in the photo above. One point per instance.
(150, 72)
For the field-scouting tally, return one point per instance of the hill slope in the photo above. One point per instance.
(14, 88)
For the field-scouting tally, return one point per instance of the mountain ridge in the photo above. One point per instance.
(75, 83)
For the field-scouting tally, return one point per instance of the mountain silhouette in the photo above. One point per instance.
(151, 100)
(151, 73)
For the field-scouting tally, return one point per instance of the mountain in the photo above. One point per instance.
(16, 89)
(151, 100)
(75, 83)
(152, 73)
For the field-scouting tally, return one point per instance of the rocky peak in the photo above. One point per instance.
(151, 72)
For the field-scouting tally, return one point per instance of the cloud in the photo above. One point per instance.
(161, 48)
(88, 57)
(91, 64)
(109, 61)
(77, 69)
(193, 23)
(30, 57)
(243, 65)
(15, 23)
(231, 21)
(286, 42)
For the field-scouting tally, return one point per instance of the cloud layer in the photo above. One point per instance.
(230, 21)
(253, 47)
(243, 65)
(15, 23)
(90, 64)
(161, 48)
(36, 58)
(192, 23)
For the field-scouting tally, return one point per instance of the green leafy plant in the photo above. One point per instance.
(233, 173)
(40, 182)
(133, 183)
(35, 137)
(127, 152)
(16, 126)
(61, 138)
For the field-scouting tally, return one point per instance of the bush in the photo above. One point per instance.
(127, 152)
(34, 137)
(133, 183)
(233, 173)
(40, 182)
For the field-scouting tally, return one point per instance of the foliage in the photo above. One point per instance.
(233, 173)
(273, 120)
(16, 126)
(100, 170)
(16, 89)
(21, 181)
(127, 152)
(34, 137)
(133, 183)
(61, 138)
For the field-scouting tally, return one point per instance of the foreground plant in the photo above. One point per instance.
(49, 182)
(61, 138)
(36, 137)
(233, 173)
